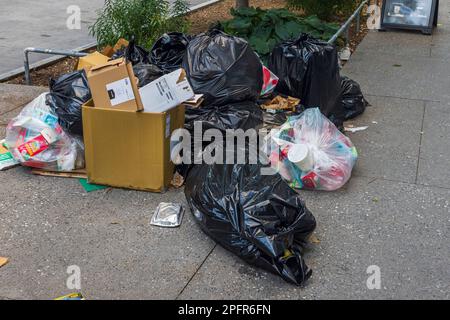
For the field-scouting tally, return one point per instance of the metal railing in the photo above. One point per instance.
(346, 26)
(26, 61)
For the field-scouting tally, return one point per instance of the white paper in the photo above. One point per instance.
(165, 93)
(120, 91)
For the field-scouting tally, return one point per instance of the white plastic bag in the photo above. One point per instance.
(311, 153)
(35, 139)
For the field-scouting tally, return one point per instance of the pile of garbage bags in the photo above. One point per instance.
(256, 216)
(255, 213)
(36, 139)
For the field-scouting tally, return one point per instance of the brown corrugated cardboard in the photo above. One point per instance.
(129, 149)
(113, 86)
(120, 44)
(91, 60)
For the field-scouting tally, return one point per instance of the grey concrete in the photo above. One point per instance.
(405, 233)
(394, 212)
(106, 233)
(392, 120)
(435, 151)
(28, 23)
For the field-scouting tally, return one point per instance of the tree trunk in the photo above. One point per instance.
(242, 4)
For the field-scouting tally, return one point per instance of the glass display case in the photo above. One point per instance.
(410, 14)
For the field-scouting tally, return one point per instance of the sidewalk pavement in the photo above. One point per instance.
(42, 24)
(394, 213)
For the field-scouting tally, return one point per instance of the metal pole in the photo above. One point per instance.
(26, 61)
(358, 22)
(344, 27)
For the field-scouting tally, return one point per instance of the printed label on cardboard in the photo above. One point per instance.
(120, 91)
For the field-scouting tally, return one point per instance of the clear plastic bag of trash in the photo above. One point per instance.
(36, 139)
(168, 215)
(309, 152)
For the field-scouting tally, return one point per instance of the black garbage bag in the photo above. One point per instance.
(224, 68)
(143, 69)
(353, 100)
(133, 53)
(67, 94)
(243, 115)
(308, 69)
(146, 73)
(257, 217)
(168, 52)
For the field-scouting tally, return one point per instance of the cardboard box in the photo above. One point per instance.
(129, 149)
(120, 44)
(166, 92)
(113, 86)
(91, 60)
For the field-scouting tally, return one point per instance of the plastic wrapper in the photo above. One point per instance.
(167, 53)
(309, 152)
(308, 69)
(223, 68)
(168, 215)
(67, 95)
(257, 217)
(36, 139)
(270, 81)
(353, 100)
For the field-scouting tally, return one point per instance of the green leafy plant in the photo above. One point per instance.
(325, 9)
(145, 20)
(264, 29)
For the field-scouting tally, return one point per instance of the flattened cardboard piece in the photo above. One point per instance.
(91, 60)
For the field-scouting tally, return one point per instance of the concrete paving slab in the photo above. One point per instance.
(435, 147)
(13, 96)
(48, 224)
(388, 148)
(400, 43)
(6, 117)
(440, 46)
(404, 232)
(383, 74)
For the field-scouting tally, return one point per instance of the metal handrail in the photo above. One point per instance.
(346, 25)
(26, 61)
